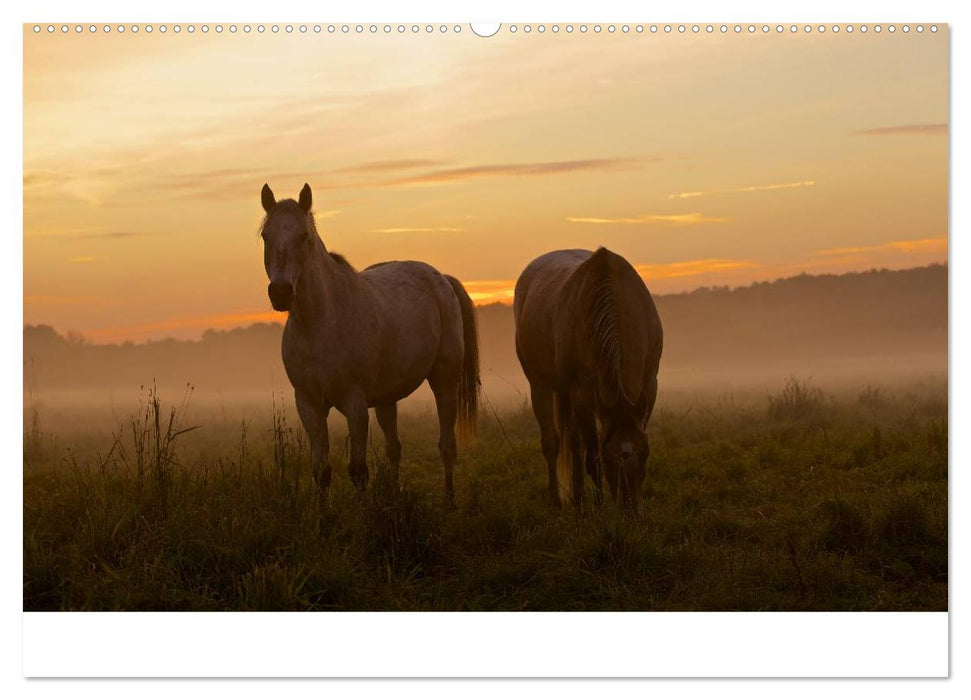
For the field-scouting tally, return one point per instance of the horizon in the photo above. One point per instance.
(141, 197)
(279, 318)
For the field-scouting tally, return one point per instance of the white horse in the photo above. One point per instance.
(355, 340)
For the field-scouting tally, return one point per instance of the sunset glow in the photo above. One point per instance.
(704, 160)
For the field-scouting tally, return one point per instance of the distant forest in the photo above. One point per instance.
(878, 314)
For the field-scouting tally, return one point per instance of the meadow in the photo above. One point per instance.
(789, 499)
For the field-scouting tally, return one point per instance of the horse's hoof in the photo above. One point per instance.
(322, 478)
(359, 476)
(323, 498)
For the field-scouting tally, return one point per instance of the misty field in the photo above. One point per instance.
(792, 499)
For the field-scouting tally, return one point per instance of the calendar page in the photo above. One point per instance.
(618, 322)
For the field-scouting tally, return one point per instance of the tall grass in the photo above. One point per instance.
(153, 433)
(32, 433)
(743, 510)
(797, 399)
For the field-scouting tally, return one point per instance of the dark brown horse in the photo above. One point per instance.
(589, 339)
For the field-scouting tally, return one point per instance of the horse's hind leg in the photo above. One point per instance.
(576, 464)
(388, 420)
(542, 401)
(446, 401)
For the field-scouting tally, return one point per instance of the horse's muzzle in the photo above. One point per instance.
(281, 295)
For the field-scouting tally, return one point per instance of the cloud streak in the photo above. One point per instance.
(244, 183)
(690, 268)
(475, 172)
(389, 165)
(55, 300)
(114, 235)
(749, 188)
(920, 245)
(924, 129)
(88, 235)
(503, 291)
(676, 219)
(432, 229)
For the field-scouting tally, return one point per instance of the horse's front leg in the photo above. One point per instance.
(587, 425)
(313, 416)
(388, 420)
(356, 413)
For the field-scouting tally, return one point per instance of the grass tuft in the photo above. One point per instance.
(798, 399)
(735, 517)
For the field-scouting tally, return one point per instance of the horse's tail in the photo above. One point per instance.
(563, 417)
(469, 382)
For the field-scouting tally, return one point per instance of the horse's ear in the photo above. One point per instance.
(306, 198)
(269, 201)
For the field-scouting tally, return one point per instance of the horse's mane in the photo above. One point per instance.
(614, 326)
(603, 322)
(341, 260)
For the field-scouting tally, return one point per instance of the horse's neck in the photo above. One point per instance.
(325, 292)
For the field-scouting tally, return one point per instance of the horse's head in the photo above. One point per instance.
(624, 451)
(288, 235)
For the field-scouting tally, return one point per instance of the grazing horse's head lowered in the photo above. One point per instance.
(624, 451)
(288, 234)
(589, 339)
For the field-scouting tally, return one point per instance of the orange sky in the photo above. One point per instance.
(702, 159)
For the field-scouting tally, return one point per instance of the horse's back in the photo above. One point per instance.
(537, 290)
(546, 274)
(412, 292)
(420, 318)
(554, 300)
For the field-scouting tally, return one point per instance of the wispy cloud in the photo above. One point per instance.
(677, 219)
(231, 183)
(65, 300)
(690, 268)
(447, 175)
(112, 235)
(431, 229)
(926, 129)
(89, 235)
(920, 245)
(388, 165)
(244, 183)
(500, 290)
(41, 178)
(749, 188)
